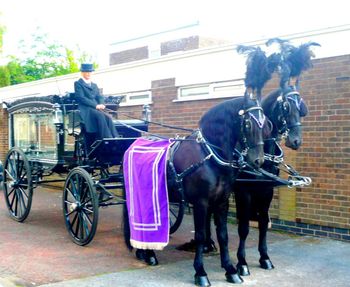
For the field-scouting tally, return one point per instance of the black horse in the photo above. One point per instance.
(284, 107)
(204, 166)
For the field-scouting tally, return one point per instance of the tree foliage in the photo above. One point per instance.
(40, 59)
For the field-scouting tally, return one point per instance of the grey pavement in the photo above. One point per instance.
(299, 261)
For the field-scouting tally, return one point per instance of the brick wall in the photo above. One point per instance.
(177, 45)
(323, 209)
(128, 55)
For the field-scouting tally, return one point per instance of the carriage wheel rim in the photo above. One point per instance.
(17, 184)
(79, 207)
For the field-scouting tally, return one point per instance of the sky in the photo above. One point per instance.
(94, 24)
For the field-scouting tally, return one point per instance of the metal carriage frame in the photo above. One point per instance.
(93, 167)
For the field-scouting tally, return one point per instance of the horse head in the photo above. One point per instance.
(285, 113)
(285, 107)
(255, 127)
(236, 125)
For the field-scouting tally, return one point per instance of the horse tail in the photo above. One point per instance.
(126, 227)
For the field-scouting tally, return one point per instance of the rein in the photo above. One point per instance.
(157, 123)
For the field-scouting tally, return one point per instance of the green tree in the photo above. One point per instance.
(40, 59)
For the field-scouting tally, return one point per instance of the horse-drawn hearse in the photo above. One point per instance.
(226, 153)
(49, 144)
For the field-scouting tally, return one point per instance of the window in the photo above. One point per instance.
(35, 134)
(136, 98)
(227, 89)
(224, 89)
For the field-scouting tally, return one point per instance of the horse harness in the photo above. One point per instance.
(247, 116)
(284, 110)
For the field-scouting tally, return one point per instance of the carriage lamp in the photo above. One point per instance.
(146, 113)
(58, 116)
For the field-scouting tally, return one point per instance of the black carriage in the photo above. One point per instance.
(49, 144)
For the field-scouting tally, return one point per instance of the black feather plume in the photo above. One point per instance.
(300, 59)
(293, 60)
(259, 67)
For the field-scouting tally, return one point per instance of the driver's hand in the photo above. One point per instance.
(100, 107)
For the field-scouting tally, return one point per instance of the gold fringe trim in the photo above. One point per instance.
(148, 245)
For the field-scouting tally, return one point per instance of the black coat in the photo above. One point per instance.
(87, 98)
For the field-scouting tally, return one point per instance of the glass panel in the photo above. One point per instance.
(232, 89)
(72, 124)
(35, 134)
(194, 91)
(139, 97)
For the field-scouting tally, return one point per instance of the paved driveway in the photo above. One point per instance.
(39, 252)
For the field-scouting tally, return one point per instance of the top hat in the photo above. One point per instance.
(86, 68)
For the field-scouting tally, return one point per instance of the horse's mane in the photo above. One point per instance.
(268, 101)
(221, 124)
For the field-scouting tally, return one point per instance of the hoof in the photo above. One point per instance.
(234, 278)
(210, 247)
(266, 264)
(152, 261)
(243, 270)
(149, 259)
(201, 280)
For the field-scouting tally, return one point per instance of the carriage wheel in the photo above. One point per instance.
(80, 206)
(18, 186)
(176, 214)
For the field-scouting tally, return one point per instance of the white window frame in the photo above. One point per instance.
(212, 90)
(130, 100)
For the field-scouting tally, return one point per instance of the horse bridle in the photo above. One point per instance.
(246, 124)
(283, 105)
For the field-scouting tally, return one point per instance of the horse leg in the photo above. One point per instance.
(264, 205)
(220, 217)
(209, 245)
(200, 212)
(243, 200)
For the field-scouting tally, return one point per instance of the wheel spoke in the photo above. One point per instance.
(89, 199)
(67, 203)
(173, 212)
(13, 200)
(13, 171)
(9, 193)
(74, 218)
(87, 217)
(16, 203)
(86, 228)
(69, 191)
(9, 174)
(22, 202)
(88, 210)
(81, 226)
(77, 227)
(74, 189)
(20, 169)
(23, 192)
(23, 175)
(84, 193)
(78, 186)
